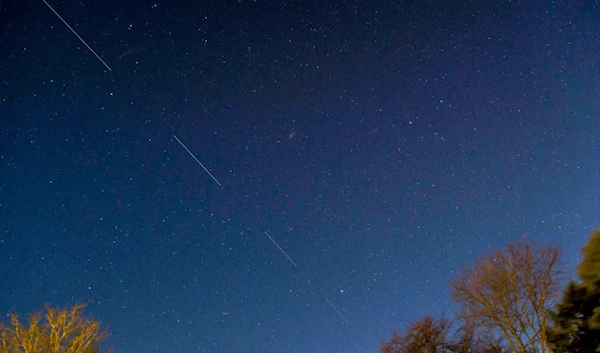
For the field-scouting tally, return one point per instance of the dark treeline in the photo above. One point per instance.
(511, 301)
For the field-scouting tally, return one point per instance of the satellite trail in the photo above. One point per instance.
(280, 249)
(336, 310)
(196, 159)
(128, 52)
(78, 36)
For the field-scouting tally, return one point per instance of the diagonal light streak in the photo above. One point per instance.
(280, 249)
(196, 159)
(78, 36)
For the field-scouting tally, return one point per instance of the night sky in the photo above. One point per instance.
(381, 144)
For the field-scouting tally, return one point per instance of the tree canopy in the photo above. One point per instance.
(503, 301)
(53, 330)
(576, 319)
(509, 290)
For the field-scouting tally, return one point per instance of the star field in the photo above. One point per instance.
(381, 144)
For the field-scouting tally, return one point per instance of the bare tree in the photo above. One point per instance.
(431, 335)
(426, 335)
(53, 331)
(509, 291)
(394, 345)
(468, 339)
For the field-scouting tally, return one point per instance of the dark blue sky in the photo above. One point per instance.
(381, 144)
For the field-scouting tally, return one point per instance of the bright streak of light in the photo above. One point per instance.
(78, 36)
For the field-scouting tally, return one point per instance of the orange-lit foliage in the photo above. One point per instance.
(52, 331)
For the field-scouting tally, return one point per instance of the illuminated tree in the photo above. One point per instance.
(52, 331)
(426, 335)
(430, 335)
(508, 292)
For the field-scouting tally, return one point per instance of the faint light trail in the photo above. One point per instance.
(280, 249)
(196, 159)
(336, 310)
(128, 52)
(78, 36)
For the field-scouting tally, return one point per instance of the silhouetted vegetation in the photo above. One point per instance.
(431, 335)
(576, 320)
(505, 302)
